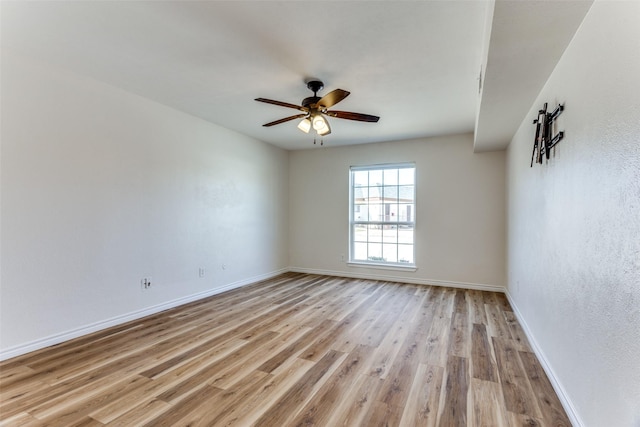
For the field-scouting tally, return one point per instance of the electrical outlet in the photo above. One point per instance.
(341, 257)
(145, 283)
(201, 272)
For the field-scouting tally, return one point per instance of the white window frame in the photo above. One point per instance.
(352, 222)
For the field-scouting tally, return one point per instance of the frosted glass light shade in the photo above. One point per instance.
(319, 122)
(321, 125)
(305, 125)
(324, 130)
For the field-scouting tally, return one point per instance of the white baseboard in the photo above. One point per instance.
(118, 320)
(417, 281)
(555, 382)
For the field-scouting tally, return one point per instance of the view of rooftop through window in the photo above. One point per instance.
(382, 214)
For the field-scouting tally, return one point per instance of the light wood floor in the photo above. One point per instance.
(294, 350)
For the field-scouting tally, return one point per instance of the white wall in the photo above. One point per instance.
(460, 209)
(574, 223)
(101, 187)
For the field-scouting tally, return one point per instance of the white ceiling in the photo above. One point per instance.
(413, 63)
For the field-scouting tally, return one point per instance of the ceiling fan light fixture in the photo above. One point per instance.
(319, 122)
(325, 130)
(305, 125)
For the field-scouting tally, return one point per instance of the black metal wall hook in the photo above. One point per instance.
(544, 141)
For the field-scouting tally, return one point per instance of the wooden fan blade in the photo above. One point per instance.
(286, 119)
(353, 116)
(332, 98)
(282, 104)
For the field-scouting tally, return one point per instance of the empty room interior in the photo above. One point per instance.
(345, 213)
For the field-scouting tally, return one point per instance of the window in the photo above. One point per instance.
(382, 214)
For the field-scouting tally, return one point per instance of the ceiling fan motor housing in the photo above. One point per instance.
(315, 86)
(308, 102)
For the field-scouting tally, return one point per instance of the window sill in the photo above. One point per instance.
(382, 266)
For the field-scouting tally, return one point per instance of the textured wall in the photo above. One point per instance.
(460, 214)
(574, 223)
(101, 188)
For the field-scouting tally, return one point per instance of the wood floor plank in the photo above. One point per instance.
(289, 404)
(209, 413)
(266, 396)
(318, 348)
(83, 422)
(482, 364)
(297, 349)
(487, 405)
(358, 403)
(78, 404)
(185, 407)
(424, 397)
(141, 413)
(374, 328)
(382, 415)
(20, 419)
(476, 306)
(516, 390)
(382, 360)
(129, 400)
(200, 378)
(298, 345)
(496, 323)
(460, 335)
(12, 375)
(437, 343)
(424, 309)
(516, 331)
(460, 302)
(234, 371)
(454, 395)
(319, 408)
(550, 405)
(520, 420)
(397, 384)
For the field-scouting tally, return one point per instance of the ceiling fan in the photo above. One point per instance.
(315, 109)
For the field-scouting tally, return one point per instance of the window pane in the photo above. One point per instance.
(405, 193)
(405, 254)
(375, 177)
(375, 194)
(390, 234)
(360, 251)
(390, 177)
(360, 233)
(390, 252)
(376, 212)
(360, 195)
(375, 252)
(360, 178)
(390, 194)
(405, 212)
(406, 176)
(388, 214)
(375, 233)
(405, 234)
(361, 213)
